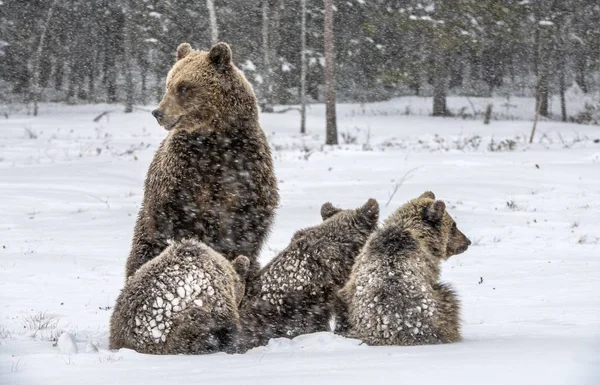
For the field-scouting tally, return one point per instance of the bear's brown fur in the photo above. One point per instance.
(212, 177)
(394, 296)
(296, 290)
(185, 301)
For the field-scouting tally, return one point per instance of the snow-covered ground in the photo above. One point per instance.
(70, 189)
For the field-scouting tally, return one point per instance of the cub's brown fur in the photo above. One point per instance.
(212, 177)
(182, 302)
(295, 291)
(394, 296)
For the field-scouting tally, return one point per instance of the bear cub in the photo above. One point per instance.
(212, 177)
(294, 293)
(393, 295)
(185, 301)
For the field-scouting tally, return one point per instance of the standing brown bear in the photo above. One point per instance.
(212, 177)
(394, 296)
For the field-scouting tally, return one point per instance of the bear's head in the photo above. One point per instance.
(205, 91)
(348, 229)
(428, 221)
(341, 236)
(362, 220)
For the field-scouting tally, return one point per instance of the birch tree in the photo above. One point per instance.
(127, 47)
(35, 63)
(212, 15)
(331, 124)
(303, 68)
(267, 85)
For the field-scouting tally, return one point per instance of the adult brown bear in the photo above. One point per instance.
(212, 177)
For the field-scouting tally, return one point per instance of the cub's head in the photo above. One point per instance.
(205, 91)
(362, 220)
(348, 228)
(428, 220)
(343, 224)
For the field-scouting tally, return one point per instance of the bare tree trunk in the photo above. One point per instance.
(331, 124)
(439, 97)
(561, 80)
(158, 75)
(127, 47)
(35, 65)
(580, 64)
(542, 46)
(212, 15)
(144, 76)
(563, 101)
(59, 75)
(439, 86)
(543, 92)
(267, 86)
(542, 86)
(274, 44)
(92, 78)
(303, 68)
(111, 81)
(91, 87)
(73, 79)
(488, 114)
(562, 61)
(535, 119)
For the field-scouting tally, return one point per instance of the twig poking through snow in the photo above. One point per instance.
(97, 118)
(399, 183)
(30, 133)
(472, 106)
(14, 367)
(105, 201)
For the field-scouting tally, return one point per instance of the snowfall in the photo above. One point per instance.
(70, 189)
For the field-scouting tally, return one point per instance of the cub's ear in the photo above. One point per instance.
(427, 194)
(370, 211)
(328, 210)
(241, 265)
(435, 212)
(220, 56)
(182, 51)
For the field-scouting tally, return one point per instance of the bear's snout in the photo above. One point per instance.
(158, 115)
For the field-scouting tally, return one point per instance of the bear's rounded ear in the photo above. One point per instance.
(370, 211)
(220, 56)
(435, 212)
(328, 210)
(427, 194)
(183, 50)
(241, 265)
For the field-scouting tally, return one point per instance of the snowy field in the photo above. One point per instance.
(70, 189)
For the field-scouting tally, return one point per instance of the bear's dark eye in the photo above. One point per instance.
(454, 226)
(182, 90)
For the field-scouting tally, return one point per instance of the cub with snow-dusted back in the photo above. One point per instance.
(212, 177)
(394, 296)
(185, 301)
(294, 293)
